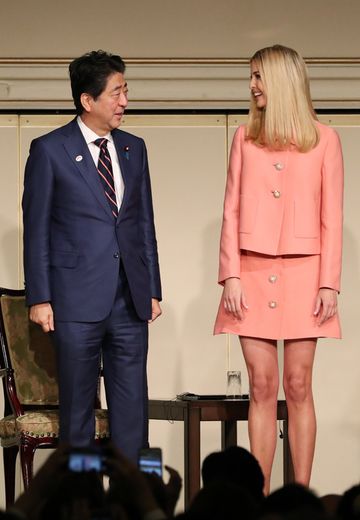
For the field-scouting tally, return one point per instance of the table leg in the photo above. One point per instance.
(288, 468)
(228, 434)
(191, 453)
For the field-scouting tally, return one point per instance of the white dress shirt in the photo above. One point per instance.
(90, 136)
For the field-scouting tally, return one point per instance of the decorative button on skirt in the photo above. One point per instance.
(280, 292)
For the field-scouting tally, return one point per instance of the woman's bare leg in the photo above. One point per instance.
(298, 365)
(262, 365)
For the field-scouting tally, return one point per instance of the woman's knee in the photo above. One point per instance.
(297, 386)
(263, 387)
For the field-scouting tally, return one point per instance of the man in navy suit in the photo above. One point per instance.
(90, 255)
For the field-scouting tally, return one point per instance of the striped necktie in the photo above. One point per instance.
(105, 172)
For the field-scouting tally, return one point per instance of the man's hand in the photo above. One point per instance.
(156, 309)
(43, 315)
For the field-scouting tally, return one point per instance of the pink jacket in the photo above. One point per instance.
(282, 203)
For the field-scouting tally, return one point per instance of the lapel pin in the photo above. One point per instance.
(78, 158)
(126, 150)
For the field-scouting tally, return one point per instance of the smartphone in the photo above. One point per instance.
(150, 461)
(86, 459)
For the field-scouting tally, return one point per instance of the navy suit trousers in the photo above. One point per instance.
(122, 342)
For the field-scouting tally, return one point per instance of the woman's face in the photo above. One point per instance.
(257, 87)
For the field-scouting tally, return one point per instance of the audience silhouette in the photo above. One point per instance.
(232, 489)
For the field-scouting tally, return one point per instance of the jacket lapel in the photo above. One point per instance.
(124, 158)
(78, 151)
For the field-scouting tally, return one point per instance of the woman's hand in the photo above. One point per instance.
(234, 298)
(326, 304)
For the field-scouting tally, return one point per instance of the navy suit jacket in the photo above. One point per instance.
(72, 246)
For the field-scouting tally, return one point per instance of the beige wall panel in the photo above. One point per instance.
(9, 202)
(336, 374)
(11, 187)
(336, 377)
(187, 156)
(175, 28)
(30, 128)
(9, 217)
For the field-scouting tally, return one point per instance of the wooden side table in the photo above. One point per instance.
(226, 411)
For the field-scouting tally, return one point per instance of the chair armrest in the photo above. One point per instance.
(9, 383)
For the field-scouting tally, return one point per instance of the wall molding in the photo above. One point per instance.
(170, 83)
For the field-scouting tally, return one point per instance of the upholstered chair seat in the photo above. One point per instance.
(45, 423)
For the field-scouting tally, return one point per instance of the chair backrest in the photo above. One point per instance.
(28, 351)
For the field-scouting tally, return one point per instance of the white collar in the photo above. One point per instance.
(89, 135)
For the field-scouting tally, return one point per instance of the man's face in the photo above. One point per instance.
(105, 112)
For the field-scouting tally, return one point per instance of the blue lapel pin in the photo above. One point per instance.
(126, 152)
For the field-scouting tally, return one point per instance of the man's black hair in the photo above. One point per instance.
(89, 74)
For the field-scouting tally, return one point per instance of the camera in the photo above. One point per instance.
(150, 461)
(86, 459)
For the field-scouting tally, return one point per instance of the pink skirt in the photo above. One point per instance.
(280, 292)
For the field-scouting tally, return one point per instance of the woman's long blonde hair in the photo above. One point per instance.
(289, 117)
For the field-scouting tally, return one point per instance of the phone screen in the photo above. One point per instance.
(150, 461)
(85, 461)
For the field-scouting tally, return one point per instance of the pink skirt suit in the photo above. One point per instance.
(282, 236)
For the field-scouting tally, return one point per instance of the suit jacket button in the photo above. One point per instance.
(116, 255)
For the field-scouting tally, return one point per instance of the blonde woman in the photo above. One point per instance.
(280, 251)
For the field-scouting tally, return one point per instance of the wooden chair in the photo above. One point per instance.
(28, 371)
